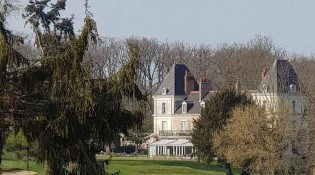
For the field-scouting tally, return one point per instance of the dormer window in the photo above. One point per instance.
(164, 91)
(184, 107)
(265, 88)
(202, 104)
(293, 88)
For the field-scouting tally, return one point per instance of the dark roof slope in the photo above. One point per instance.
(279, 78)
(174, 81)
(193, 104)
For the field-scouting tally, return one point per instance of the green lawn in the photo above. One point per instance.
(9, 162)
(132, 166)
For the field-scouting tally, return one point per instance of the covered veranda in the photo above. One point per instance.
(176, 148)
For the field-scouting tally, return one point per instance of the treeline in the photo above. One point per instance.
(223, 64)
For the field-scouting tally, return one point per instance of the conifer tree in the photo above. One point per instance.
(11, 63)
(59, 102)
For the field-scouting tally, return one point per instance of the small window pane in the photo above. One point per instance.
(163, 108)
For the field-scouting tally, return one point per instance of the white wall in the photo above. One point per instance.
(173, 120)
(273, 100)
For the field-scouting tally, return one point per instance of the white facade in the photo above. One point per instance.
(164, 115)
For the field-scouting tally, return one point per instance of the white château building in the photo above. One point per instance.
(180, 98)
(176, 103)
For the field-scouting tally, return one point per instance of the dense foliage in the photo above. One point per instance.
(16, 141)
(11, 63)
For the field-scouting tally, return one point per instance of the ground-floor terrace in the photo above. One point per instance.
(176, 148)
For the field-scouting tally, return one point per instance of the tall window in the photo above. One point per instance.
(183, 125)
(163, 108)
(164, 125)
(293, 106)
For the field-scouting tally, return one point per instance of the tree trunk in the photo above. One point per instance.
(1, 150)
(52, 169)
(228, 168)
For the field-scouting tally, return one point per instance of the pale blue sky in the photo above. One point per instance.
(290, 23)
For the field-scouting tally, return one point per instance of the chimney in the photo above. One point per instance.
(204, 87)
(263, 73)
(189, 82)
(238, 88)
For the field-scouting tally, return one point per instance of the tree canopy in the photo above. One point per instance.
(258, 141)
(213, 118)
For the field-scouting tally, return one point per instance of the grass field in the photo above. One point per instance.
(133, 166)
(9, 162)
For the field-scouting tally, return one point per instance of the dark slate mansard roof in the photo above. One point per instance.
(174, 81)
(193, 104)
(279, 78)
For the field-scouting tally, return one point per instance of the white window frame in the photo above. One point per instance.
(183, 125)
(184, 107)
